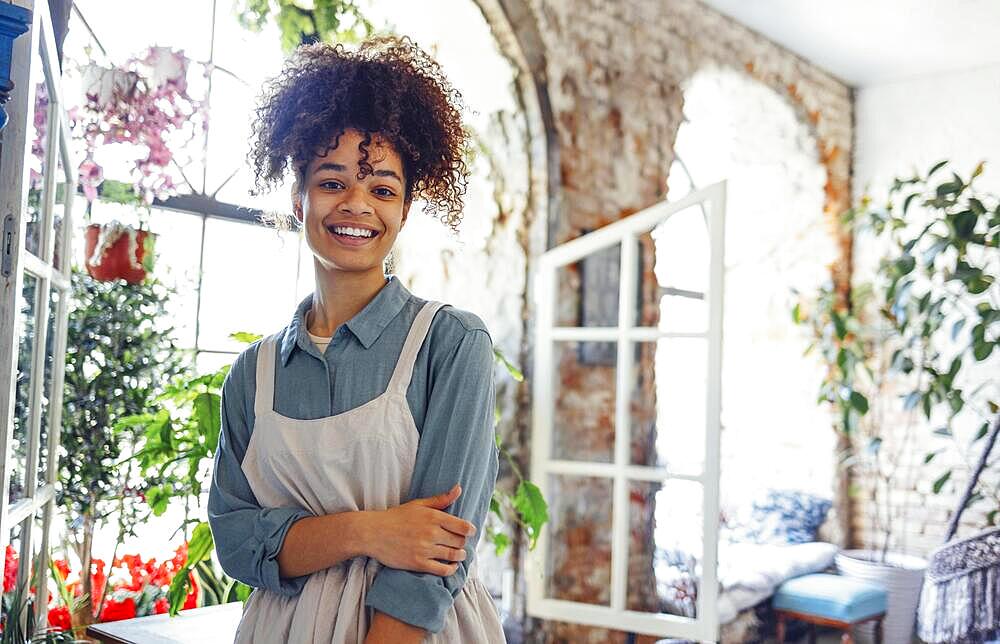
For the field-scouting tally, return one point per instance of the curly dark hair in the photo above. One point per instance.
(389, 88)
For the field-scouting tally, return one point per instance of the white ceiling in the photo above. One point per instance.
(869, 42)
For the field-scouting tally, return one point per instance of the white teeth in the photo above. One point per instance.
(354, 232)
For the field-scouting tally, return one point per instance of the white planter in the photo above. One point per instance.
(902, 576)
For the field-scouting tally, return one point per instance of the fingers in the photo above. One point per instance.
(457, 526)
(450, 539)
(440, 569)
(441, 501)
(448, 554)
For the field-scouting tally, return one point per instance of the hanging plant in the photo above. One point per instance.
(117, 251)
(143, 103)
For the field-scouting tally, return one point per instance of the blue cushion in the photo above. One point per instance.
(781, 517)
(832, 596)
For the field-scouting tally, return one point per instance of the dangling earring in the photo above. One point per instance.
(389, 265)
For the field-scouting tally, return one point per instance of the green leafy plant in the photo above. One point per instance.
(931, 311)
(326, 21)
(176, 439)
(526, 508)
(118, 354)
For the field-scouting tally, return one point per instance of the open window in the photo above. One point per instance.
(37, 184)
(626, 424)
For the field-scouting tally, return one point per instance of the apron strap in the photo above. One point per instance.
(401, 375)
(263, 401)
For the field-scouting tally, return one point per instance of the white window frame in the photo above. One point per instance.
(13, 200)
(625, 232)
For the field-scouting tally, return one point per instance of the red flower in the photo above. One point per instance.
(63, 567)
(115, 610)
(191, 601)
(10, 569)
(59, 618)
(162, 605)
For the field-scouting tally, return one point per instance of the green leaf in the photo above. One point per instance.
(158, 497)
(514, 372)
(937, 166)
(501, 542)
(534, 511)
(941, 480)
(246, 337)
(930, 456)
(797, 314)
(982, 349)
(981, 433)
(964, 224)
(859, 402)
(207, 414)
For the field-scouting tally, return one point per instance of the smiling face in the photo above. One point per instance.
(350, 223)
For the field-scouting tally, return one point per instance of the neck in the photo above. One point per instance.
(339, 296)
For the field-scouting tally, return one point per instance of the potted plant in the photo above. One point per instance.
(898, 351)
(117, 251)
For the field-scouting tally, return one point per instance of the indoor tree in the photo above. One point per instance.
(119, 354)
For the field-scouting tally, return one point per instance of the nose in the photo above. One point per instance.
(355, 201)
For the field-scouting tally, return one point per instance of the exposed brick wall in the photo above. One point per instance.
(609, 78)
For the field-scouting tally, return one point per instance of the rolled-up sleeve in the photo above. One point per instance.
(457, 445)
(247, 537)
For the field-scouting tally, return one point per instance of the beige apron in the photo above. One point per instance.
(361, 459)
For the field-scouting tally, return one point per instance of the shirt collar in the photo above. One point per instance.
(366, 326)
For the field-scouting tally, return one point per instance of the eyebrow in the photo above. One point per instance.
(336, 167)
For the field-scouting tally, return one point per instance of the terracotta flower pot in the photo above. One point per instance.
(115, 251)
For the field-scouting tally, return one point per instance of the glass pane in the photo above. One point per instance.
(667, 405)
(248, 282)
(178, 248)
(12, 556)
(209, 362)
(580, 539)
(43, 446)
(62, 200)
(665, 521)
(22, 402)
(587, 291)
(676, 258)
(583, 413)
(38, 131)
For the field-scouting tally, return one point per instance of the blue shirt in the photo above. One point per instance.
(451, 397)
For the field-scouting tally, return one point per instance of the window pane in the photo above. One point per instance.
(63, 198)
(665, 524)
(178, 247)
(583, 414)
(38, 133)
(209, 362)
(580, 539)
(667, 405)
(676, 268)
(12, 556)
(587, 291)
(22, 402)
(248, 282)
(43, 445)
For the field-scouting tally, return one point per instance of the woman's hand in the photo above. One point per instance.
(416, 534)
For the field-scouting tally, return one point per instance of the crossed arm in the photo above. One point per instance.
(424, 568)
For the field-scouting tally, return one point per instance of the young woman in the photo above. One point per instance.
(356, 459)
